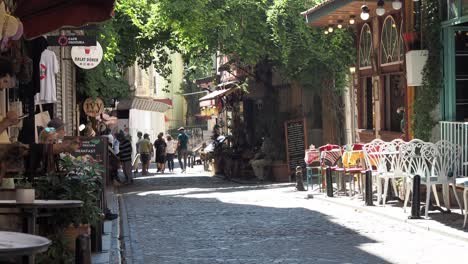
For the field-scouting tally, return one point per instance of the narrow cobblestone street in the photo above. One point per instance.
(195, 218)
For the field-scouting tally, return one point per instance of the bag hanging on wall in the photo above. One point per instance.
(41, 119)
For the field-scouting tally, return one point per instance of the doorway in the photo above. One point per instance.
(461, 75)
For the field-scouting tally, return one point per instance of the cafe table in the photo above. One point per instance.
(14, 244)
(31, 210)
(20, 244)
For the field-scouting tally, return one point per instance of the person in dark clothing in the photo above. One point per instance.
(160, 147)
(125, 156)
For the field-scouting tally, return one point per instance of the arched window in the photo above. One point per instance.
(390, 50)
(365, 46)
(401, 44)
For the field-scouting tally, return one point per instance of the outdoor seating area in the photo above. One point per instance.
(405, 171)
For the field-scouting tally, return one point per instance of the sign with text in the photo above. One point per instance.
(296, 143)
(94, 147)
(93, 107)
(87, 57)
(64, 41)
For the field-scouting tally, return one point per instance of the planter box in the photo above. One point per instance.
(280, 172)
(72, 232)
(415, 62)
(25, 196)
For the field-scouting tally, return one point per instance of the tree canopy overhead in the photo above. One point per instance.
(249, 31)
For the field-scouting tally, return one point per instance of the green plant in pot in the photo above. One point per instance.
(25, 192)
(80, 179)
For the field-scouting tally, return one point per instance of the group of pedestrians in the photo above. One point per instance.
(164, 149)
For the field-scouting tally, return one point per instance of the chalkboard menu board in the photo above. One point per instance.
(96, 147)
(296, 142)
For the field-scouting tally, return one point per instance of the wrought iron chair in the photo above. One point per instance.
(373, 161)
(444, 158)
(415, 165)
(330, 155)
(352, 165)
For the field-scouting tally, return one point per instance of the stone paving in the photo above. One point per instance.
(193, 218)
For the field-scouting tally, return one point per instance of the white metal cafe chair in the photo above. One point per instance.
(373, 161)
(443, 157)
(392, 167)
(415, 165)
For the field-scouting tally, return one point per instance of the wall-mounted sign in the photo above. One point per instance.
(87, 57)
(93, 107)
(63, 40)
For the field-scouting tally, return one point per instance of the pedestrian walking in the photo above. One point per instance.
(182, 148)
(170, 152)
(137, 147)
(160, 147)
(146, 151)
(125, 156)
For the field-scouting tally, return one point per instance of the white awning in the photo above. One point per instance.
(145, 104)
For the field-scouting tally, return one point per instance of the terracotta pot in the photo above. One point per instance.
(72, 232)
(25, 196)
(280, 172)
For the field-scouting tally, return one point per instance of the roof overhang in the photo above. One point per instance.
(145, 104)
(217, 94)
(43, 16)
(331, 12)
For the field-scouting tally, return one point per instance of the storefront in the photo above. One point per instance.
(379, 90)
(455, 50)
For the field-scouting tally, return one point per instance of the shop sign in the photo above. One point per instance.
(93, 107)
(63, 40)
(87, 57)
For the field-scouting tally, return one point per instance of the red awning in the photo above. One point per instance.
(43, 16)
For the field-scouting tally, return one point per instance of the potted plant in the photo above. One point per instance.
(25, 192)
(80, 179)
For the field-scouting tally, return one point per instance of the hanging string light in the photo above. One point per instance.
(380, 10)
(330, 28)
(365, 12)
(352, 20)
(340, 24)
(396, 4)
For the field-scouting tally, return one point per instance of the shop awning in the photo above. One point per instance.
(331, 12)
(145, 104)
(217, 93)
(43, 16)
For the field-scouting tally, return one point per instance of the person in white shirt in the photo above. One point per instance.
(170, 152)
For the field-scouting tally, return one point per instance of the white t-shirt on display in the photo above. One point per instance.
(48, 67)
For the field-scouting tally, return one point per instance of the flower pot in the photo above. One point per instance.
(25, 196)
(280, 172)
(72, 232)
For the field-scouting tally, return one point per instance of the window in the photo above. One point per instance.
(394, 98)
(390, 42)
(365, 47)
(155, 85)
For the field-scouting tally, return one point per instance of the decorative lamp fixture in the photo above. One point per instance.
(340, 24)
(352, 69)
(396, 4)
(351, 20)
(380, 10)
(330, 28)
(326, 32)
(365, 12)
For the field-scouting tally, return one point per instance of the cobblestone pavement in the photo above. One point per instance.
(193, 218)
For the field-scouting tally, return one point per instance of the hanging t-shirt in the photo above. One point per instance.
(4, 139)
(48, 68)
